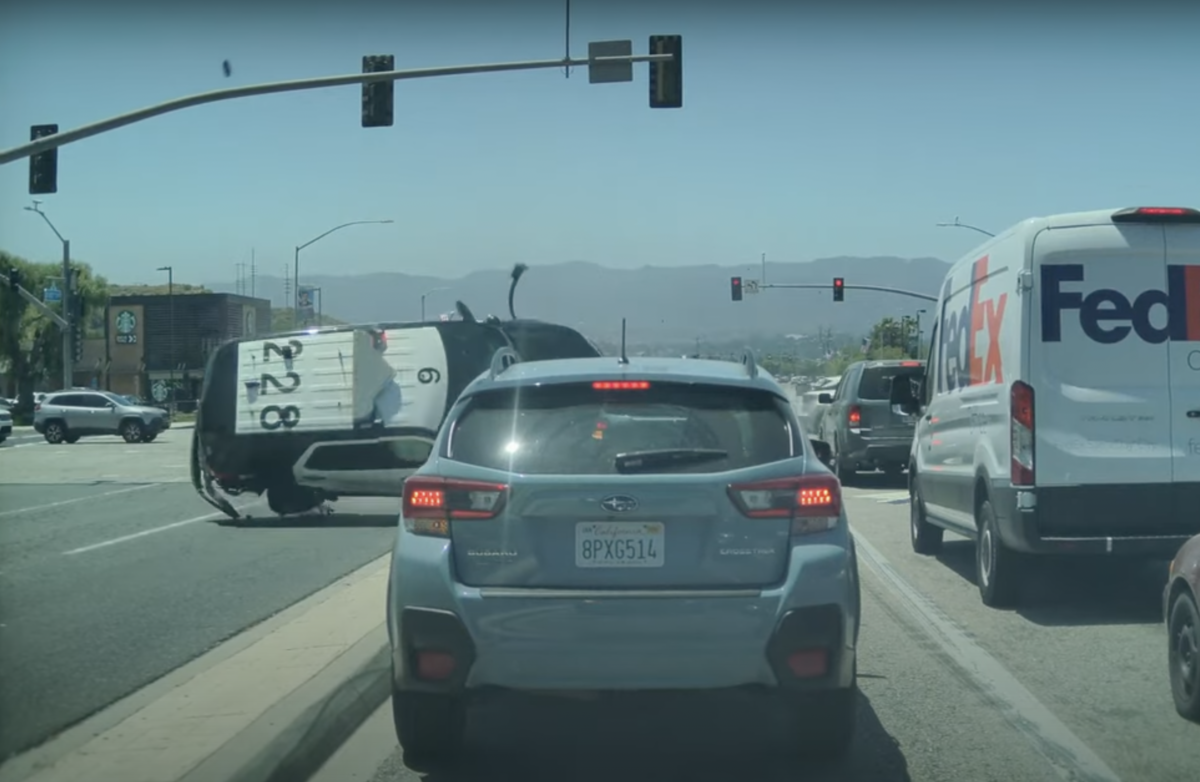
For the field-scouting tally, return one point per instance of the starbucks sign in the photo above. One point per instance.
(126, 328)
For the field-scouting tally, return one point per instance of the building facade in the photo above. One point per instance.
(155, 343)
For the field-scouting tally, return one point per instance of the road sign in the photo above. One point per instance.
(749, 286)
(609, 72)
(51, 294)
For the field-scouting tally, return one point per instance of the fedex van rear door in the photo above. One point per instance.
(1183, 266)
(1099, 366)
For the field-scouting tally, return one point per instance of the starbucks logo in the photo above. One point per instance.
(126, 322)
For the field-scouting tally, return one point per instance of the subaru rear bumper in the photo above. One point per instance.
(544, 639)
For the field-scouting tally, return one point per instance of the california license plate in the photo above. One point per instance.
(619, 544)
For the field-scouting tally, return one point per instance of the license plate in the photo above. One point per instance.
(619, 544)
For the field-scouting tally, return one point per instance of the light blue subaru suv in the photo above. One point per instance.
(607, 524)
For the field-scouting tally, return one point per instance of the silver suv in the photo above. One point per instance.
(65, 416)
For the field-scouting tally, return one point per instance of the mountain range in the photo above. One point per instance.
(660, 303)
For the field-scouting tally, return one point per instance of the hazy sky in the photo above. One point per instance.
(803, 134)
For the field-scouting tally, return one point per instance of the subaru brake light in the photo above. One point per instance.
(621, 385)
(854, 417)
(1022, 465)
(430, 504)
(812, 502)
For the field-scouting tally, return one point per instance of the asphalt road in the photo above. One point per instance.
(113, 573)
(1073, 687)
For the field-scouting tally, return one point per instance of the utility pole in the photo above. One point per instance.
(170, 270)
(68, 297)
(253, 272)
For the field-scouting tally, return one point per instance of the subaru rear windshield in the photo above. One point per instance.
(876, 382)
(574, 429)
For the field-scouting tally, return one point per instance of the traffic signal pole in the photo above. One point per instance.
(57, 140)
(880, 288)
(37, 303)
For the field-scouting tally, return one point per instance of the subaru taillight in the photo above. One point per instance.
(812, 502)
(1021, 405)
(855, 415)
(430, 504)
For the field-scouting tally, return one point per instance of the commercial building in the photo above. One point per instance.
(154, 341)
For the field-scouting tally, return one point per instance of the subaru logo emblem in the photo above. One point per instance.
(619, 503)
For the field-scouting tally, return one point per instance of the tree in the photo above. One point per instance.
(31, 343)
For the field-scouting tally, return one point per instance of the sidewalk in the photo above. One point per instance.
(280, 697)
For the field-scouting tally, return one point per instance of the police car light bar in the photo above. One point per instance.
(1156, 214)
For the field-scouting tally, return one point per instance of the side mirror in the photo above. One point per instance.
(906, 394)
(825, 399)
(823, 451)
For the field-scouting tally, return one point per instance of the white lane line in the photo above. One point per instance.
(88, 498)
(145, 532)
(1066, 753)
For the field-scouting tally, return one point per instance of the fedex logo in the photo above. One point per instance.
(969, 342)
(1107, 315)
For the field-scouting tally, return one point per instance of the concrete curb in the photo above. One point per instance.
(324, 714)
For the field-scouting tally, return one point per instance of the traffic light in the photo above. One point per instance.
(735, 288)
(77, 341)
(839, 289)
(43, 167)
(14, 279)
(666, 78)
(377, 96)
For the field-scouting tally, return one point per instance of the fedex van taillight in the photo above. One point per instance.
(1022, 470)
(1157, 214)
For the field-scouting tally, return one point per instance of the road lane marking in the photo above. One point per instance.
(61, 503)
(151, 531)
(1066, 753)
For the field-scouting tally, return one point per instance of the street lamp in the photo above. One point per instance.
(296, 261)
(957, 224)
(426, 293)
(170, 270)
(68, 366)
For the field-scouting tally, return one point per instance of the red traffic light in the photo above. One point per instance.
(837, 282)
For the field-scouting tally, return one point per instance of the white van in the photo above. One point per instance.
(1060, 409)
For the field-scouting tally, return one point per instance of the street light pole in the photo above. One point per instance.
(426, 293)
(170, 270)
(296, 262)
(957, 224)
(68, 313)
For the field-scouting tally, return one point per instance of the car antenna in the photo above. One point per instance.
(624, 358)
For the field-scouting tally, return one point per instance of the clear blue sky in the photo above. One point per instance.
(803, 135)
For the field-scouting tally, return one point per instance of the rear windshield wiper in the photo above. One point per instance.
(643, 461)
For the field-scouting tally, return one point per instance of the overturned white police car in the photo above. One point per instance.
(310, 416)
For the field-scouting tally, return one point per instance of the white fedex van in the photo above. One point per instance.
(1060, 409)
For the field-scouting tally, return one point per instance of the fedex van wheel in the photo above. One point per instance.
(997, 569)
(925, 537)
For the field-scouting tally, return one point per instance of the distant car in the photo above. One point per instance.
(1182, 604)
(861, 426)
(66, 416)
(607, 525)
(6, 423)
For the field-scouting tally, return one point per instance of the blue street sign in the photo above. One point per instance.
(51, 294)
